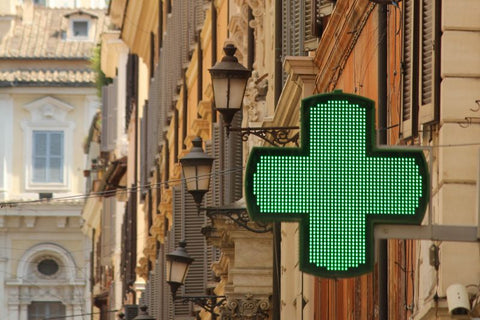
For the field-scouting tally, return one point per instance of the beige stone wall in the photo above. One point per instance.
(455, 168)
(81, 101)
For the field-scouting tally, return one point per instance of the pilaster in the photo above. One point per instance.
(6, 143)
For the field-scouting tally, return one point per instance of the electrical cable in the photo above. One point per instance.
(116, 191)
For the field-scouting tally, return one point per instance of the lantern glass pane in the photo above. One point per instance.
(177, 271)
(237, 89)
(190, 176)
(220, 90)
(204, 176)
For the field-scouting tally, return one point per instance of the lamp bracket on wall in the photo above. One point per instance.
(276, 136)
(208, 303)
(239, 216)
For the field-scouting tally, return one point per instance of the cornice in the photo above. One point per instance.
(340, 36)
(300, 82)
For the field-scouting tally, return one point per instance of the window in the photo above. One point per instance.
(39, 310)
(80, 29)
(48, 146)
(421, 65)
(39, 2)
(47, 267)
(47, 162)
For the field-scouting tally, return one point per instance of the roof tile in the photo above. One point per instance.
(44, 37)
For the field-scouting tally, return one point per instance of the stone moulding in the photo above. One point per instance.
(340, 36)
(246, 308)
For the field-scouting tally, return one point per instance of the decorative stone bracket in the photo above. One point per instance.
(247, 308)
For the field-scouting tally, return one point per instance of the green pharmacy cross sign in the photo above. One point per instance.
(338, 184)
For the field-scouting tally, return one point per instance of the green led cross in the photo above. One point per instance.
(338, 184)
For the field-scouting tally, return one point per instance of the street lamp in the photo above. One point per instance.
(178, 263)
(196, 167)
(143, 315)
(229, 81)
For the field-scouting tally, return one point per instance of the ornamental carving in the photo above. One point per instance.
(258, 12)
(255, 94)
(248, 308)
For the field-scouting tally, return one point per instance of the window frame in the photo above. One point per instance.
(48, 114)
(30, 184)
(48, 155)
(46, 312)
(73, 37)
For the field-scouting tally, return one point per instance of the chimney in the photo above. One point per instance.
(7, 7)
(27, 16)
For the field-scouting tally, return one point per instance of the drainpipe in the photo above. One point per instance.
(382, 135)
(277, 235)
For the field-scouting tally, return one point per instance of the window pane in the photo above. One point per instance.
(47, 160)
(56, 143)
(41, 310)
(55, 170)
(39, 143)
(80, 28)
(39, 169)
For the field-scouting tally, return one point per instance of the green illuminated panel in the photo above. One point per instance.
(337, 185)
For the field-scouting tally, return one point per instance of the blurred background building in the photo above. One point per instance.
(47, 101)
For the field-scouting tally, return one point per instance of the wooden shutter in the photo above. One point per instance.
(168, 308)
(109, 206)
(293, 30)
(158, 303)
(178, 230)
(105, 122)
(154, 122)
(109, 116)
(292, 23)
(187, 225)
(144, 141)
(196, 281)
(215, 149)
(233, 176)
(309, 19)
(409, 124)
(429, 61)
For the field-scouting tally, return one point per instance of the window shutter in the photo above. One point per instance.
(113, 114)
(187, 225)
(196, 245)
(200, 14)
(310, 24)
(429, 53)
(293, 29)
(158, 303)
(105, 122)
(409, 124)
(109, 205)
(178, 235)
(152, 126)
(168, 310)
(215, 149)
(144, 141)
(232, 176)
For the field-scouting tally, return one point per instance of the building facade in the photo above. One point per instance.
(48, 100)
(405, 56)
